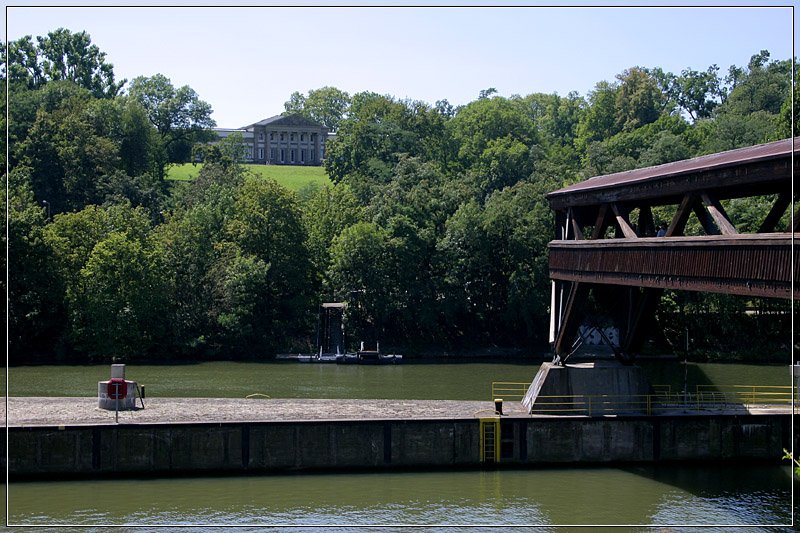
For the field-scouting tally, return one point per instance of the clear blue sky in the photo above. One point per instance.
(246, 62)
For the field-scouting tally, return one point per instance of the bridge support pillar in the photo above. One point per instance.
(593, 388)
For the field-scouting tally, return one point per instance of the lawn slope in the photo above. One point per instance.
(293, 178)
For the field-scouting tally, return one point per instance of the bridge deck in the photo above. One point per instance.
(748, 265)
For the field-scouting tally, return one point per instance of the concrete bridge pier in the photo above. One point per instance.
(565, 387)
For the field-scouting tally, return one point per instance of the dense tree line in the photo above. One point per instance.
(434, 231)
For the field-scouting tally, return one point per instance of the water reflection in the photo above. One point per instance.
(752, 495)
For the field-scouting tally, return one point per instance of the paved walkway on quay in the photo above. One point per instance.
(41, 411)
(38, 411)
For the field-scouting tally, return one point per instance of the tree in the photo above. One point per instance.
(700, 92)
(326, 105)
(329, 212)
(296, 104)
(23, 66)
(488, 119)
(790, 111)
(361, 274)
(638, 100)
(115, 290)
(242, 307)
(377, 131)
(504, 162)
(69, 159)
(763, 86)
(731, 130)
(118, 302)
(179, 116)
(62, 55)
(35, 310)
(486, 93)
(599, 120)
(266, 224)
(71, 56)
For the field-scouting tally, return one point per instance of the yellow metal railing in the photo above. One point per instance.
(744, 394)
(595, 405)
(509, 390)
(663, 400)
(662, 390)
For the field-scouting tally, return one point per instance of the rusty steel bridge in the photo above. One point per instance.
(598, 248)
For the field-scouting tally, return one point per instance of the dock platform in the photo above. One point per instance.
(56, 438)
(70, 411)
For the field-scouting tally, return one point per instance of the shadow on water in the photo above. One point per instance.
(746, 493)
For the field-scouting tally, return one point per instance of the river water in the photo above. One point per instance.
(643, 498)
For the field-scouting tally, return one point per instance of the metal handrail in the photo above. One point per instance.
(509, 390)
(663, 400)
(745, 394)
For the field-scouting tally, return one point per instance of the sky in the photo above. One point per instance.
(247, 61)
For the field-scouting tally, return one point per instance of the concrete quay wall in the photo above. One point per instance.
(254, 447)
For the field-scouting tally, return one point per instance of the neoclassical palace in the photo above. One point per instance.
(283, 140)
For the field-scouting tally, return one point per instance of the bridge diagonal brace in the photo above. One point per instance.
(718, 214)
(775, 214)
(678, 223)
(602, 222)
(647, 226)
(705, 218)
(624, 223)
(575, 226)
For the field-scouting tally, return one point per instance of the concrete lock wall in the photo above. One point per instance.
(164, 449)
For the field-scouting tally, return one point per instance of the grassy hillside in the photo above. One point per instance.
(293, 178)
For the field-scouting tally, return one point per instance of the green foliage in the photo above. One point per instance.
(178, 114)
(112, 276)
(327, 106)
(485, 120)
(433, 225)
(325, 215)
(266, 225)
(361, 273)
(61, 55)
(377, 131)
(787, 455)
(34, 305)
(638, 100)
(118, 300)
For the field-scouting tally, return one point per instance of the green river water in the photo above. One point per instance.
(641, 498)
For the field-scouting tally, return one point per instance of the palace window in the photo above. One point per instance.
(282, 136)
(261, 153)
(291, 137)
(272, 154)
(283, 155)
(292, 154)
(302, 156)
